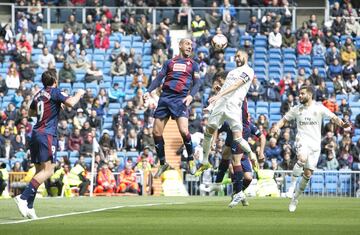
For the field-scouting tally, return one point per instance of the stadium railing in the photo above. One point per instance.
(59, 14)
(322, 184)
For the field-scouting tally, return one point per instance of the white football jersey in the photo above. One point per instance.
(309, 120)
(245, 73)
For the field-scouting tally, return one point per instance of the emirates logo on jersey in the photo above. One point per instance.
(179, 67)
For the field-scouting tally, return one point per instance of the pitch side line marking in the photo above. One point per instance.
(90, 211)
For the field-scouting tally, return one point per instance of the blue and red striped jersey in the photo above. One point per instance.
(179, 74)
(245, 114)
(47, 103)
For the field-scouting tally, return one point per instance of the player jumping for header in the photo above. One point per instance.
(46, 106)
(308, 115)
(178, 74)
(227, 106)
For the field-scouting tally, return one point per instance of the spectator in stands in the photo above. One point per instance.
(288, 39)
(352, 85)
(331, 104)
(332, 54)
(143, 164)
(338, 26)
(93, 74)
(322, 92)
(227, 8)
(17, 98)
(89, 25)
(18, 144)
(67, 114)
(345, 158)
(127, 180)
(266, 25)
(130, 26)
(349, 11)
(34, 9)
(263, 121)
(118, 141)
(303, 30)
(131, 66)
(115, 93)
(6, 149)
(23, 48)
(87, 148)
(140, 80)
(58, 52)
(256, 90)
(287, 104)
(103, 24)
(184, 11)
(198, 26)
(72, 24)
(45, 59)
(304, 46)
(3, 87)
(344, 107)
(69, 40)
(102, 40)
(158, 58)
(85, 41)
(349, 69)
(22, 23)
(334, 70)
(118, 67)
(330, 163)
(67, 74)
(105, 180)
(329, 38)
(103, 97)
(336, 10)
(12, 79)
(285, 84)
(79, 119)
(94, 120)
(286, 144)
(355, 152)
(352, 27)
(132, 141)
(339, 85)
(275, 38)
(63, 128)
(315, 78)
(98, 107)
(116, 25)
(117, 51)
(273, 150)
(273, 91)
(212, 16)
(319, 49)
(39, 38)
(253, 26)
(26, 73)
(75, 140)
(348, 54)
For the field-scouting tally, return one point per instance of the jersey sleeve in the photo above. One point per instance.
(291, 114)
(57, 96)
(325, 112)
(196, 71)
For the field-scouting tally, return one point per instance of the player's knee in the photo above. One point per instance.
(248, 176)
(307, 173)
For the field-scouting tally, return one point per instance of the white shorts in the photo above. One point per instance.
(311, 155)
(228, 112)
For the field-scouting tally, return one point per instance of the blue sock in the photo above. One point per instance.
(188, 145)
(160, 148)
(223, 167)
(30, 190)
(238, 179)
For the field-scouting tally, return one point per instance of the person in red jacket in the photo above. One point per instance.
(285, 84)
(304, 46)
(106, 180)
(331, 104)
(101, 40)
(127, 180)
(103, 24)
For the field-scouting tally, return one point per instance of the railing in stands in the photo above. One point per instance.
(55, 14)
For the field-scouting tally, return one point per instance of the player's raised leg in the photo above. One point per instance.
(159, 125)
(209, 132)
(296, 173)
(183, 123)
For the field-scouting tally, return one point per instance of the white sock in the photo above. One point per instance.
(298, 169)
(244, 145)
(303, 182)
(206, 147)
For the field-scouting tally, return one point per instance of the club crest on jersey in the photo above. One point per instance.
(179, 67)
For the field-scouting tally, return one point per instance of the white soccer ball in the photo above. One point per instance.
(219, 42)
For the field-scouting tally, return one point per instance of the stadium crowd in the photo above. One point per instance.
(121, 141)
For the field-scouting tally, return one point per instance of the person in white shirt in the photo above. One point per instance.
(12, 79)
(275, 38)
(45, 58)
(308, 115)
(227, 106)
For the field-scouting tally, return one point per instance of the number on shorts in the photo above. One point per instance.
(53, 150)
(40, 110)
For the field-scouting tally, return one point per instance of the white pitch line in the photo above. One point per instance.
(90, 211)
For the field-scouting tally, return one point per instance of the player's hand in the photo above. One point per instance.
(261, 157)
(81, 92)
(213, 99)
(187, 100)
(274, 130)
(346, 125)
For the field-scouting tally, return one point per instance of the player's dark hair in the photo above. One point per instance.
(48, 78)
(308, 88)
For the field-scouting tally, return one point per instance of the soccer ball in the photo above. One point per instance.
(219, 42)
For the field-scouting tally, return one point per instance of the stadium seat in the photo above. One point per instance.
(330, 187)
(317, 187)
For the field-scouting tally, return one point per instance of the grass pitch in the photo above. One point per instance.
(183, 215)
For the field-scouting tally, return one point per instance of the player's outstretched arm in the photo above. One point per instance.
(340, 122)
(73, 100)
(278, 126)
(262, 146)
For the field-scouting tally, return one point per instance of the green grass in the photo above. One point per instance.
(198, 215)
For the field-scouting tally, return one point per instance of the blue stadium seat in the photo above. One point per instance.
(74, 154)
(107, 125)
(262, 104)
(330, 187)
(317, 187)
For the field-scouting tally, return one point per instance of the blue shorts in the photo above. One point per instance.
(43, 147)
(171, 105)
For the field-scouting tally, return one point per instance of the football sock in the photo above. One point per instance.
(30, 190)
(188, 145)
(244, 145)
(303, 182)
(160, 148)
(223, 167)
(246, 184)
(238, 179)
(206, 147)
(297, 170)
